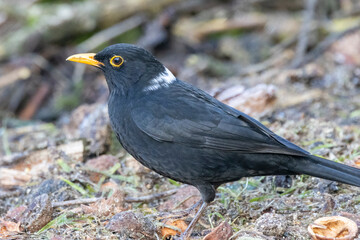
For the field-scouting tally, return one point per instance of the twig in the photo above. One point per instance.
(18, 74)
(5, 139)
(325, 44)
(10, 158)
(127, 199)
(304, 32)
(179, 214)
(111, 32)
(152, 196)
(75, 202)
(163, 225)
(262, 66)
(9, 194)
(44, 64)
(35, 102)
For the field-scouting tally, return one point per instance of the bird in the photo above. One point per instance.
(183, 133)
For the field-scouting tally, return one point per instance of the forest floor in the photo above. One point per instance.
(63, 174)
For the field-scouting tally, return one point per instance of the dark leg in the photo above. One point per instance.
(189, 210)
(185, 235)
(179, 214)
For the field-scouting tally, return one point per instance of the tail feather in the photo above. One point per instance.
(323, 168)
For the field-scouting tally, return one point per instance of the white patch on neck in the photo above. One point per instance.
(164, 79)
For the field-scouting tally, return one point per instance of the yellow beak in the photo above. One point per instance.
(87, 58)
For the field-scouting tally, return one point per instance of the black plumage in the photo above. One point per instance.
(185, 134)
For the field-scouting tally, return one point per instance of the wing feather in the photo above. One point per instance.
(202, 123)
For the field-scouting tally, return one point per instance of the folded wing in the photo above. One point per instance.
(197, 120)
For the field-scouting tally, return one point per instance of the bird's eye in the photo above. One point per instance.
(116, 61)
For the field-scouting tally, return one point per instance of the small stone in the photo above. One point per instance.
(106, 207)
(271, 224)
(15, 214)
(221, 232)
(37, 214)
(133, 225)
(92, 123)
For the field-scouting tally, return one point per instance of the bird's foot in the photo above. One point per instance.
(187, 233)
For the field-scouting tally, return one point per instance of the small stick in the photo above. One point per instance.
(325, 44)
(75, 202)
(127, 199)
(304, 32)
(152, 196)
(111, 32)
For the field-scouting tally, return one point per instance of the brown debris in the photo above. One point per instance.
(37, 214)
(271, 224)
(8, 228)
(221, 232)
(106, 207)
(109, 186)
(92, 123)
(130, 224)
(167, 232)
(16, 214)
(101, 163)
(11, 178)
(38, 162)
(333, 228)
(182, 199)
(255, 101)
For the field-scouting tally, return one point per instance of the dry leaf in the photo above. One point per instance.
(167, 232)
(333, 228)
(8, 228)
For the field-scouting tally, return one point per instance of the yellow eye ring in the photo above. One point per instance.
(116, 61)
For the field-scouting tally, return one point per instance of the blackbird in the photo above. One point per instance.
(183, 133)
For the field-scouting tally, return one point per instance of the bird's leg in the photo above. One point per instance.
(181, 213)
(185, 235)
(189, 210)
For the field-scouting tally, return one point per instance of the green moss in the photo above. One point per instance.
(71, 100)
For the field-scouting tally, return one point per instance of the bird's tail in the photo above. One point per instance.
(323, 168)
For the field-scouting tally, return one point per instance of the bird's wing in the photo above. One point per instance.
(197, 120)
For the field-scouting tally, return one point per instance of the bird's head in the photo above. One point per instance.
(127, 67)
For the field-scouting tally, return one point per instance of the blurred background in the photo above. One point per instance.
(276, 58)
(283, 62)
